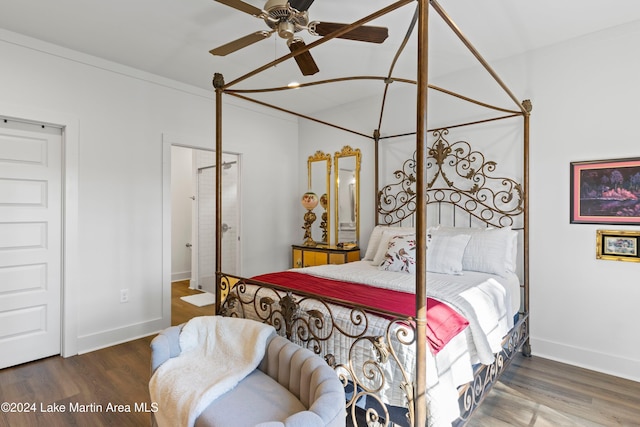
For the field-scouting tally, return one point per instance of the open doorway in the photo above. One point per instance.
(193, 208)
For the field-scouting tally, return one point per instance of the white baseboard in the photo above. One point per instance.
(610, 364)
(183, 275)
(100, 340)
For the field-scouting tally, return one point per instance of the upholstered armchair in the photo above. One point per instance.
(292, 387)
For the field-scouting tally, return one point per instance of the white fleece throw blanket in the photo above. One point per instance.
(217, 353)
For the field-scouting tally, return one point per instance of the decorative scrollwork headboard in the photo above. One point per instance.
(458, 176)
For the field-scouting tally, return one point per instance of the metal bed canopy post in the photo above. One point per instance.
(376, 171)
(527, 108)
(420, 398)
(218, 84)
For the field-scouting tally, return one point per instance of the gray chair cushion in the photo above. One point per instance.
(256, 399)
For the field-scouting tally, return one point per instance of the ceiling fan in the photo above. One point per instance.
(288, 18)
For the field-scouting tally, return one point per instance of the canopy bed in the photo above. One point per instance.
(446, 214)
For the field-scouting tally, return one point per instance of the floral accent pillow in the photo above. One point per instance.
(400, 255)
(383, 247)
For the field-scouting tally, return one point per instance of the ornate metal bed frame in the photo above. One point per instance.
(311, 320)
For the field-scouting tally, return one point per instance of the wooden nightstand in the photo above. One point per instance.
(307, 256)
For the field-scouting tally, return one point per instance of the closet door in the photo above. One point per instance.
(30, 242)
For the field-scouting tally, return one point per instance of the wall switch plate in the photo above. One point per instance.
(124, 295)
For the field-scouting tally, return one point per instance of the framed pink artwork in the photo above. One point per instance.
(605, 192)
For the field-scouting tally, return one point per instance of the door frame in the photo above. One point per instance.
(69, 251)
(194, 143)
(168, 141)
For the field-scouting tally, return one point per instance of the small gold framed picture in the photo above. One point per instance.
(618, 245)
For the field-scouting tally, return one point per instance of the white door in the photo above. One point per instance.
(30, 242)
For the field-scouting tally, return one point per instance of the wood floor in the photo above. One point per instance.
(533, 392)
(182, 311)
(540, 392)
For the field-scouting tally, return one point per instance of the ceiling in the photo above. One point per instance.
(172, 38)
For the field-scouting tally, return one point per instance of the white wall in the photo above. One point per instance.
(584, 95)
(122, 115)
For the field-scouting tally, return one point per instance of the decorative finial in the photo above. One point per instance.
(218, 81)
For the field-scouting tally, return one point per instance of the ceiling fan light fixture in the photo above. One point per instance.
(286, 29)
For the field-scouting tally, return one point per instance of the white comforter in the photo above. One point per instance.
(486, 301)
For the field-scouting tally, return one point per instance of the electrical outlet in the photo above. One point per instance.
(124, 295)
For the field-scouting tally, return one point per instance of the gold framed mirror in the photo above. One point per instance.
(319, 182)
(347, 195)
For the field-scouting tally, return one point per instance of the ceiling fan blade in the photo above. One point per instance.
(300, 5)
(240, 43)
(305, 61)
(365, 33)
(242, 7)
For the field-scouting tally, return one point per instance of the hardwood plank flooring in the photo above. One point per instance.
(182, 311)
(532, 392)
(540, 392)
(577, 396)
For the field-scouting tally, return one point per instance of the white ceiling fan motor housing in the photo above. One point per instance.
(285, 20)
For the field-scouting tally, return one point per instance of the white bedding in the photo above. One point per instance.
(364, 272)
(487, 301)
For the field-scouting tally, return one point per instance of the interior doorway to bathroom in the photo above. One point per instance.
(193, 179)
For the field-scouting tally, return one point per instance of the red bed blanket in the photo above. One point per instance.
(443, 323)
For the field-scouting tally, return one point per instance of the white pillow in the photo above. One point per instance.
(401, 255)
(386, 236)
(445, 253)
(374, 239)
(490, 250)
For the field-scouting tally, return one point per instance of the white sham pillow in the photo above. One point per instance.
(374, 242)
(490, 250)
(445, 253)
(386, 236)
(376, 235)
